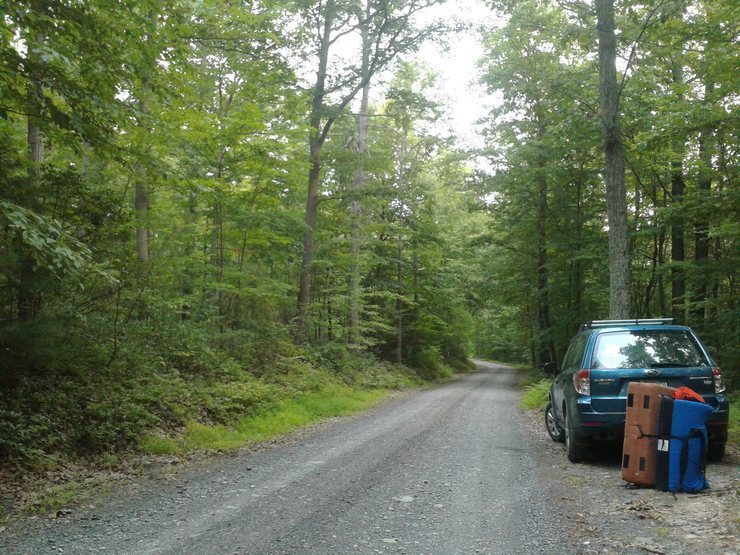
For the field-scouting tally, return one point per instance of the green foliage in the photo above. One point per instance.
(430, 365)
(55, 497)
(733, 438)
(115, 129)
(50, 246)
(536, 395)
(224, 402)
(103, 350)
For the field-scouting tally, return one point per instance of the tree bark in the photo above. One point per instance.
(358, 184)
(309, 221)
(316, 143)
(141, 189)
(141, 207)
(678, 256)
(701, 223)
(616, 195)
(399, 299)
(27, 296)
(547, 347)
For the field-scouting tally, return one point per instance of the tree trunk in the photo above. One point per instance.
(141, 174)
(191, 217)
(316, 143)
(616, 195)
(678, 256)
(399, 299)
(547, 347)
(309, 221)
(141, 207)
(27, 296)
(575, 297)
(141, 191)
(358, 184)
(701, 224)
(402, 190)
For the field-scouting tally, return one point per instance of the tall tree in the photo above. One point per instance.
(616, 193)
(27, 297)
(389, 27)
(358, 185)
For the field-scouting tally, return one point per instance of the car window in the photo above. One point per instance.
(574, 356)
(646, 349)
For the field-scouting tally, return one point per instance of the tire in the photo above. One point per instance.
(574, 446)
(716, 451)
(551, 425)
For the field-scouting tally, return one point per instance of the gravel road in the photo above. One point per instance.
(452, 470)
(446, 470)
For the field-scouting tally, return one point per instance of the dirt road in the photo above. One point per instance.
(446, 470)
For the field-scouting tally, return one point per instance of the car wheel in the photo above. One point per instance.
(553, 430)
(574, 447)
(715, 451)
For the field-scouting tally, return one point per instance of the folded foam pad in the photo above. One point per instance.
(640, 430)
(682, 446)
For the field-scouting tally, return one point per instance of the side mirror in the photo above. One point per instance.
(550, 369)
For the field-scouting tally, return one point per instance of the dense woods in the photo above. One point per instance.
(548, 249)
(203, 209)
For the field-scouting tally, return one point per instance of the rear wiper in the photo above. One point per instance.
(669, 365)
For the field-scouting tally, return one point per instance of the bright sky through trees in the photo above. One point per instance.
(458, 87)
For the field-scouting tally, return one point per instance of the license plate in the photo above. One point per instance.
(655, 381)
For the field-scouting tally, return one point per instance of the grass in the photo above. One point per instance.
(535, 395)
(55, 497)
(290, 414)
(662, 532)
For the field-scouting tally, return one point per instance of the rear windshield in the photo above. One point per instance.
(646, 349)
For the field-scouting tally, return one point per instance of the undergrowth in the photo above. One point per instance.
(733, 433)
(535, 394)
(177, 394)
(286, 416)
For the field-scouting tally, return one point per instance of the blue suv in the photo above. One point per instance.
(588, 397)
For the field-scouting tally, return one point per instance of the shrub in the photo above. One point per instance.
(429, 365)
(224, 403)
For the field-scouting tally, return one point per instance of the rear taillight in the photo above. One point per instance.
(719, 381)
(582, 381)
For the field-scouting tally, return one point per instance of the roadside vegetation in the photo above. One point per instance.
(211, 405)
(535, 394)
(733, 436)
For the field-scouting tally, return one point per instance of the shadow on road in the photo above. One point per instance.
(606, 454)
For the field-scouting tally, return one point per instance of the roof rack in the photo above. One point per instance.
(632, 322)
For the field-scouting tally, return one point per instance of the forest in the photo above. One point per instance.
(211, 208)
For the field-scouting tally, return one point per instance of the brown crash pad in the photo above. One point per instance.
(640, 429)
